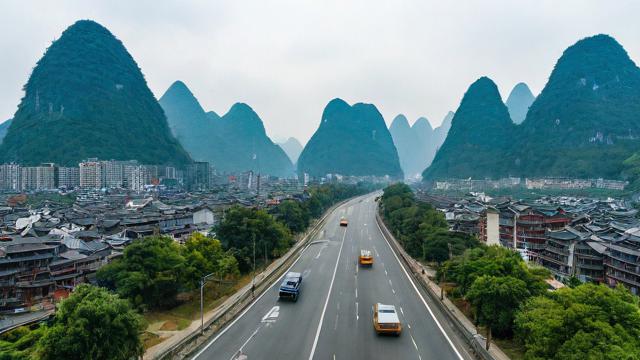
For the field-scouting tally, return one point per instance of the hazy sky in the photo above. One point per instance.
(287, 59)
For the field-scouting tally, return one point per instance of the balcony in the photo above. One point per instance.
(622, 267)
(555, 260)
(623, 279)
(599, 267)
(557, 250)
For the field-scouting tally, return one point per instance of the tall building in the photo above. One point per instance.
(113, 174)
(68, 177)
(38, 177)
(91, 174)
(10, 177)
(137, 177)
(197, 177)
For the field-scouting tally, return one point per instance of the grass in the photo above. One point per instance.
(512, 348)
(181, 316)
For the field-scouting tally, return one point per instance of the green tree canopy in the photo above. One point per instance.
(92, 324)
(205, 255)
(586, 322)
(150, 272)
(495, 301)
(241, 228)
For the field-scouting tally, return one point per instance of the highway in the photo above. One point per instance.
(332, 319)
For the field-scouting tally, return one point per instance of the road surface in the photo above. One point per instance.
(332, 319)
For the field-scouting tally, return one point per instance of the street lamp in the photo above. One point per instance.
(203, 280)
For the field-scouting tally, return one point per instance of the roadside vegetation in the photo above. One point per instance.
(420, 228)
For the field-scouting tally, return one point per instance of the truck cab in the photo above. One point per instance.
(385, 319)
(365, 258)
(290, 287)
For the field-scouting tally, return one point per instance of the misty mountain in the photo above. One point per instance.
(86, 97)
(235, 142)
(519, 101)
(480, 135)
(292, 148)
(415, 144)
(351, 140)
(440, 133)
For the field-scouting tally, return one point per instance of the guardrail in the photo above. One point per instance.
(241, 299)
(475, 341)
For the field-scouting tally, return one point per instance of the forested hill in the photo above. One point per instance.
(87, 98)
(585, 123)
(351, 140)
(480, 134)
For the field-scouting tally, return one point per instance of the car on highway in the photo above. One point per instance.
(385, 319)
(290, 287)
(344, 222)
(365, 258)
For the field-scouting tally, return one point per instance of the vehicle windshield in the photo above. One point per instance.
(387, 311)
(292, 283)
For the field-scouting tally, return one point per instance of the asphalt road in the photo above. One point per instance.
(332, 319)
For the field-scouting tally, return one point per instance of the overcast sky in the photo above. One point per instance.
(287, 59)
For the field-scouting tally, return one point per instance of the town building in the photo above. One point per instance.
(91, 174)
(10, 177)
(68, 177)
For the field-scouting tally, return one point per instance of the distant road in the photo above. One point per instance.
(333, 317)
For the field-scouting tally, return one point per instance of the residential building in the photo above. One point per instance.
(113, 174)
(68, 177)
(38, 177)
(91, 174)
(10, 177)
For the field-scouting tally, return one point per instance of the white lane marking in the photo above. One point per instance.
(356, 293)
(245, 343)
(385, 272)
(402, 311)
(376, 250)
(335, 270)
(393, 291)
(357, 313)
(409, 325)
(320, 251)
(390, 284)
(276, 281)
(420, 295)
(414, 342)
(272, 315)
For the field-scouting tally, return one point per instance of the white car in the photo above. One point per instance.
(385, 319)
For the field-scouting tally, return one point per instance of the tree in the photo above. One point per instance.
(495, 301)
(293, 215)
(586, 322)
(242, 228)
(92, 324)
(205, 255)
(150, 272)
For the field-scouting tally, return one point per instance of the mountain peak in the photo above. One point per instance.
(422, 124)
(519, 101)
(292, 148)
(480, 131)
(399, 122)
(88, 95)
(351, 140)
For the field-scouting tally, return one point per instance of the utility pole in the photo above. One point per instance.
(203, 280)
